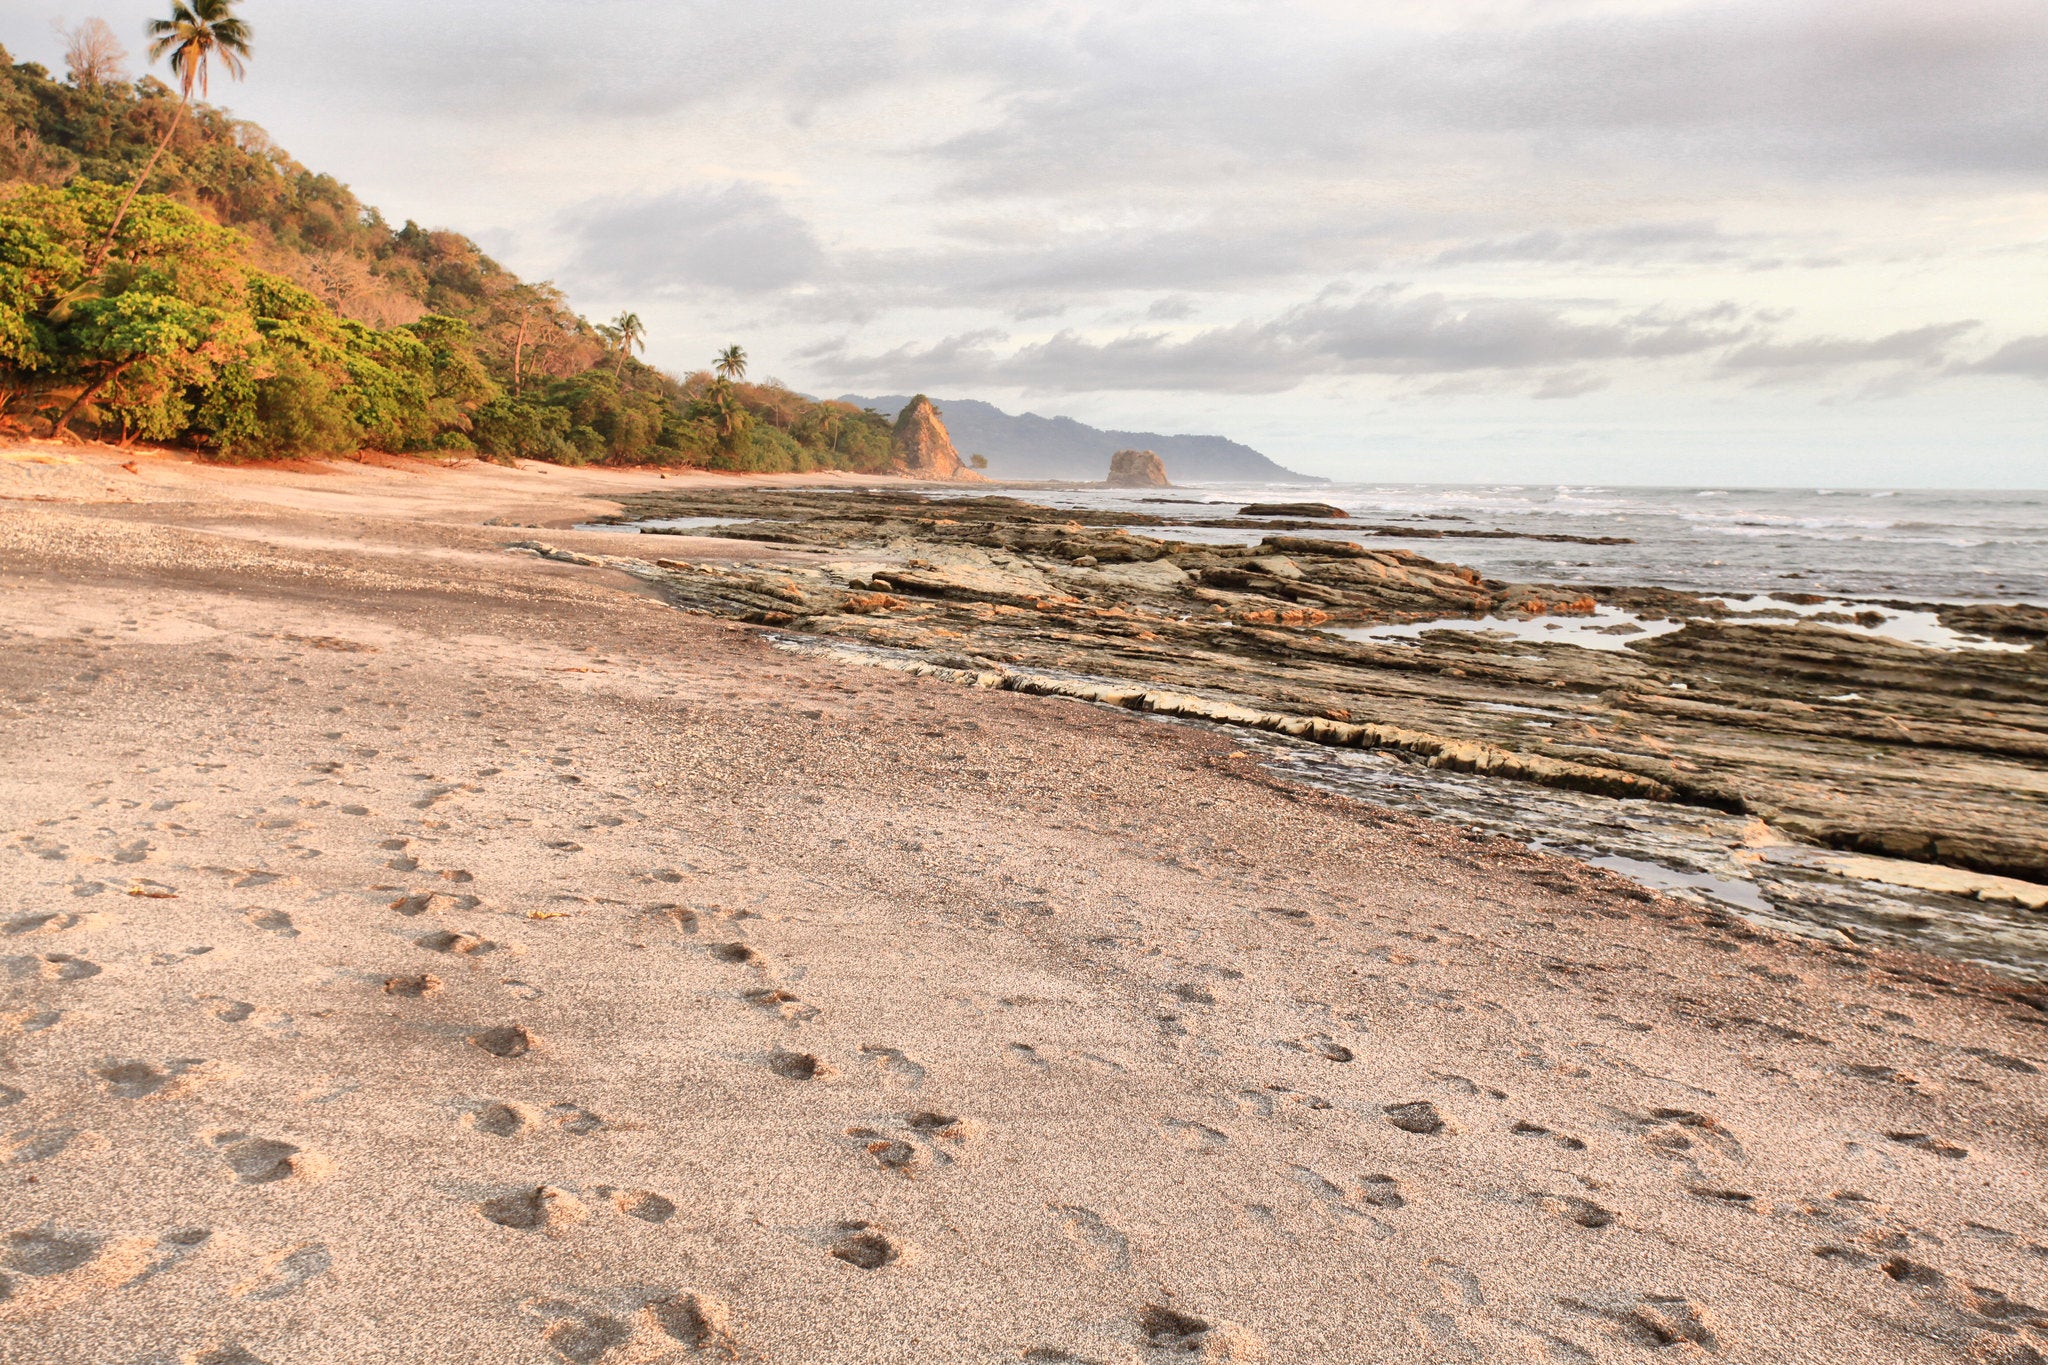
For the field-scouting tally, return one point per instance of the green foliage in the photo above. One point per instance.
(250, 307)
(513, 429)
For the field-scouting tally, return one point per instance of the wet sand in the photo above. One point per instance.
(418, 952)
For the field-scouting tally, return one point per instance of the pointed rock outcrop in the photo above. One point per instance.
(922, 449)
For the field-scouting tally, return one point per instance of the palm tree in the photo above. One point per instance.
(726, 405)
(196, 33)
(731, 363)
(629, 334)
(831, 423)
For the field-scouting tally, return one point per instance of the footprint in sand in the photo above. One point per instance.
(891, 1154)
(697, 1321)
(1926, 1143)
(508, 1041)
(898, 1071)
(950, 1127)
(860, 1246)
(257, 1161)
(500, 1119)
(1415, 1116)
(1527, 1129)
(574, 1118)
(1171, 1333)
(286, 1273)
(581, 1336)
(52, 923)
(1100, 1245)
(61, 967)
(45, 1251)
(1198, 1138)
(1024, 1054)
(1657, 1321)
(796, 1066)
(645, 1205)
(40, 1144)
(1583, 1212)
(780, 1002)
(451, 941)
(130, 1079)
(1459, 1285)
(56, 1265)
(434, 902)
(412, 987)
(271, 922)
(678, 917)
(538, 1208)
(1339, 1207)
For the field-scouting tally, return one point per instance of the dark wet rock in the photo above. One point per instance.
(1292, 509)
(2012, 621)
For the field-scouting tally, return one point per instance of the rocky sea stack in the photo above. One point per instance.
(1136, 469)
(922, 448)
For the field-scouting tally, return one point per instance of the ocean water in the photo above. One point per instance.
(1855, 544)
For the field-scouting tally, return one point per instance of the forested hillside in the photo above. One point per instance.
(247, 306)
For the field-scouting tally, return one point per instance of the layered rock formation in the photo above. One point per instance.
(1136, 469)
(1850, 742)
(922, 447)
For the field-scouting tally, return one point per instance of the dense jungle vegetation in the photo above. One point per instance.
(248, 307)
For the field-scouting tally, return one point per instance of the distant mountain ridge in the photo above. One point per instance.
(1027, 446)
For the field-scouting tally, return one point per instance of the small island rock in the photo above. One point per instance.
(1136, 469)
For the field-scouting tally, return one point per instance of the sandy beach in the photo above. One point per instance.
(416, 951)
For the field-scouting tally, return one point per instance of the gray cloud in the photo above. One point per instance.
(2026, 357)
(1918, 346)
(1841, 88)
(1699, 242)
(738, 238)
(1570, 384)
(1386, 331)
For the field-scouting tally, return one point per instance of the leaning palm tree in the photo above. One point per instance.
(197, 32)
(731, 362)
(628, 334)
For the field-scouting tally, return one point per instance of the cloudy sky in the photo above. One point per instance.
(1647, 241)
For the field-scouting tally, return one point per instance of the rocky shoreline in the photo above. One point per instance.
(1836, 738)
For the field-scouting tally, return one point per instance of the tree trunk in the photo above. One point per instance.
(87, 394)
(518, 350)
(99, 257)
